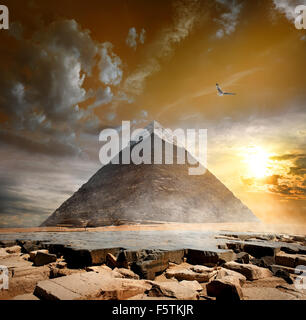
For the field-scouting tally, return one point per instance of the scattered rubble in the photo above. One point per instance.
(251, 267)
(251, 272)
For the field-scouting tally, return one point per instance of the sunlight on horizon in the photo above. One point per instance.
(257, 160)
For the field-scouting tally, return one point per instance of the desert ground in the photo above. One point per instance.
(246, 261)
(160, 226)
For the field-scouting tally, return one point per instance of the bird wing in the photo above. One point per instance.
(229, 93)
(219, 89)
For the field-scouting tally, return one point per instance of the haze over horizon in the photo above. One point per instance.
(71, 68)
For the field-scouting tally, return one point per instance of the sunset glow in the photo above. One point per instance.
(257, 160)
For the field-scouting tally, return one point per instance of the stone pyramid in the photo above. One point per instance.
(144, 193)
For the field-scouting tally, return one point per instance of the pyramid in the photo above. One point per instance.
(144, 193)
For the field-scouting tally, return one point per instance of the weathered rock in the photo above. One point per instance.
(39, 272)
(27, 296)
(194, 285)
(19, 267)
(99, 269)
(14, 249)
(146, 297)
(258, 293)
(223, 273)
(3, 253)
(148, 269)
(162, 278)
(201, 269)
(42, 258)
(7, 243)
(293, 248)
(270, 282)
(61, 265)
(33, 254)
(250, 271)
(299, 294)
(81, 258)
(299, 238)
(56, 248)
(261, 250)
(236, 246)
(25, 256)
(23, 277)
(111, 260)
(174, 256)
(300, 260)
(209, 258)
(48, 290)
(264, 262)
(126, 273)
(89, 285)
(106, 271)
(190, 275)
(57, 273)
(282, 273)
(172, 290)
(242, 257)
(222, 246)
(127, 257)
(285, 259)
(99, 256)
(290, 260)
(275, 268)
(28, 245)
(227, 289)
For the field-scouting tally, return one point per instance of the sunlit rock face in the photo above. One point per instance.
(129, 193)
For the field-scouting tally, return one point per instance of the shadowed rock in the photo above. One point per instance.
(227, 289)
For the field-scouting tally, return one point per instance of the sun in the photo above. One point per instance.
(257, 160)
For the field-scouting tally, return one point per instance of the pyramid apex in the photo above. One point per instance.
(153, 125)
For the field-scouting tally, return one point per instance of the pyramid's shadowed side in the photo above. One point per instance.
(123, 194)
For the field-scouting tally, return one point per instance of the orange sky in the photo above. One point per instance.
(49, 147)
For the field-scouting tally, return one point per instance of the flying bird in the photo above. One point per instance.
(221, 93)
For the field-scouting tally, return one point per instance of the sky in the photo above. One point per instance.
(71, 68)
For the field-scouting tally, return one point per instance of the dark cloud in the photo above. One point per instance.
(48, 74)
(300, 167)
(42, 90)
(293, 183)
(52, 147)
(287, 156)
(32, 186)
(14, 202)
(295, 192)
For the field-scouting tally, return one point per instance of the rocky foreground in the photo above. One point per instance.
(244, 267)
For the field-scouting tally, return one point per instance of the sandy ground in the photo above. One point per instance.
(235, 227)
